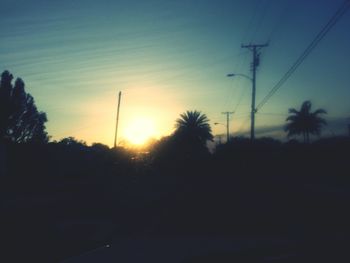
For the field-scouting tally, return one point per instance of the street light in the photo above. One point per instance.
(253, 109)
(242, 75)
(227, 130)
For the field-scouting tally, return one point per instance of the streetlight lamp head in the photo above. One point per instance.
(241, 75)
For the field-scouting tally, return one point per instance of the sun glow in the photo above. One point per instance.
(139, 131)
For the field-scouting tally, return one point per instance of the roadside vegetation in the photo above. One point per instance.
(61, 198)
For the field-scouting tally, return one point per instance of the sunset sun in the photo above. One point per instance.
(138, 131)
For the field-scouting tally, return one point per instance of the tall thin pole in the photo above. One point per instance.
(252, 117)
(256, 60)
(117, 121)
(227, 124)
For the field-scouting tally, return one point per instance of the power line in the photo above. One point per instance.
(272, 114)
(243, 92)
(249, 26)
(260, 20)
(284, 14)
(330, 24)
(238, 66)
(243, 123)
(74, 131)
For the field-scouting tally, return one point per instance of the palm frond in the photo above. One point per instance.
(293, 111)
(194, 124)
(319, 111)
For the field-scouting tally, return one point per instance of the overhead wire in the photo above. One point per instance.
(229, 98)
(252, 26)
(330, 24)
(243, 123)
(273, 114)
(260, 20)
(284, 14)
(257, 20)
(251, 21)
(241, 96)
(264, 5)
(74, 131)
(239, 116)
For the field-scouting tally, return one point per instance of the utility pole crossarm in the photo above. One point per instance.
(254, 45)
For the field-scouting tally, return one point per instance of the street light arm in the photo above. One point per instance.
(242, 75)
(217, 123)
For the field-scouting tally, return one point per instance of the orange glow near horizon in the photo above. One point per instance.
(142, 117)
(139, 130)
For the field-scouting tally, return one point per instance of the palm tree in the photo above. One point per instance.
(305, 122)
(193, 126)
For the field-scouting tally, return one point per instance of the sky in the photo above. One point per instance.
(171, 56)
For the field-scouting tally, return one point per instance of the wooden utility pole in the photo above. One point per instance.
(117, 121)
(227, 124)
(256, 61)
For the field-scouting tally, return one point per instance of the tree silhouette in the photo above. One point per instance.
(193, 126)
(71, 141)
(304, 122)
(20, 121)
(186, 146)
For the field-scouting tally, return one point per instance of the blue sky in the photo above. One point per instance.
(171, 56)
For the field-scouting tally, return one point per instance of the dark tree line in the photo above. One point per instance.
(20, 120)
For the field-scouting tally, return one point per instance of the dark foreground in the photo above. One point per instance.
(310, 221)
(213, 210)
